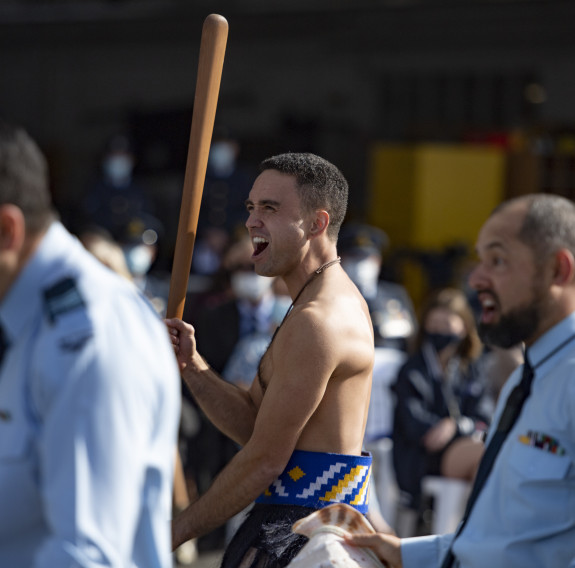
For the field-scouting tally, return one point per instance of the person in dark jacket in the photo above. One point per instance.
(442, 402)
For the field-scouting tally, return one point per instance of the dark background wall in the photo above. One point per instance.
(326, 76)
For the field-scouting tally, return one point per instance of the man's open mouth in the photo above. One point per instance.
(260, 244)
(489, 309)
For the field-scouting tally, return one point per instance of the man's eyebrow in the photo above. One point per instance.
(491, 246)
(263, 202)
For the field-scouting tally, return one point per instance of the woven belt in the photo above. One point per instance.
(315, 479)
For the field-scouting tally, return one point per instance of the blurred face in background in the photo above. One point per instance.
(247, 285)
(118, 167)
(363, 269)
(444, 328)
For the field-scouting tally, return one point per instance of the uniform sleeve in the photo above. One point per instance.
(425, 551)
(98, 410)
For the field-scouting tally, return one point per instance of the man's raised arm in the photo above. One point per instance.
(229, 408)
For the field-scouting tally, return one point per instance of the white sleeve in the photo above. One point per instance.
(98, 415)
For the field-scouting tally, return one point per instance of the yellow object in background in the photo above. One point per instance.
(430, 196)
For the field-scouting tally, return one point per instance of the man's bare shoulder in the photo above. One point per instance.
(340, 304)
(336, 319)
(333, 302)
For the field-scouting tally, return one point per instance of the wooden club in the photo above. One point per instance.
(211, 61)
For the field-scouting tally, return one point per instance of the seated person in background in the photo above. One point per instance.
(441, 400)
(242, 365)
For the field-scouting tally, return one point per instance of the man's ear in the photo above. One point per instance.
(320, 223)
(12, 228)
(564, 268)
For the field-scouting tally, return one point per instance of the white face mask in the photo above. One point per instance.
(250, 286)
(364, 274)
(139, 259)
(222, 158)
(118, 169)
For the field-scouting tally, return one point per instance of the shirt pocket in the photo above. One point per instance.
(542, 480)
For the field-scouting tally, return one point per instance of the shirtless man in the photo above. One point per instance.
(311, 394)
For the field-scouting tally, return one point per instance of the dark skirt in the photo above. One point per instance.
(265, 538)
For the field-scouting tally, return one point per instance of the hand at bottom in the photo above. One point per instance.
(386, 547)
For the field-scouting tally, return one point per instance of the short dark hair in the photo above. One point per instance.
(24, 177)
(320, 184)
(549, 225)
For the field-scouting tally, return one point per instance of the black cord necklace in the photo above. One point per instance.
(314, 275)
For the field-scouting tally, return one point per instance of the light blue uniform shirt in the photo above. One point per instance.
(525, 513)
(89, 410)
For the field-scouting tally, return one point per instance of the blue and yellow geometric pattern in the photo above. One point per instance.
(315, 479)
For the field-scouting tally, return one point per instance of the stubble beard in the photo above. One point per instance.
(275, 266)
(265, 269)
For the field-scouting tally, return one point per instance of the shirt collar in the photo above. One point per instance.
(549, 341)
(22, 301)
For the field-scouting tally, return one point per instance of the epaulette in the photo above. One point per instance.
(61, 298)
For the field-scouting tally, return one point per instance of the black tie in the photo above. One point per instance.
(508, 418)
(3, 344)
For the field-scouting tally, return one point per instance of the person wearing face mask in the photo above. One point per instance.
(116, 196)
(243, 363)
(241, 299)
(361, 249)
(443, 402)
(139, 243)
(222, 211)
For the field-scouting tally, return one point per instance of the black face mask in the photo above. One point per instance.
(442, 340)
